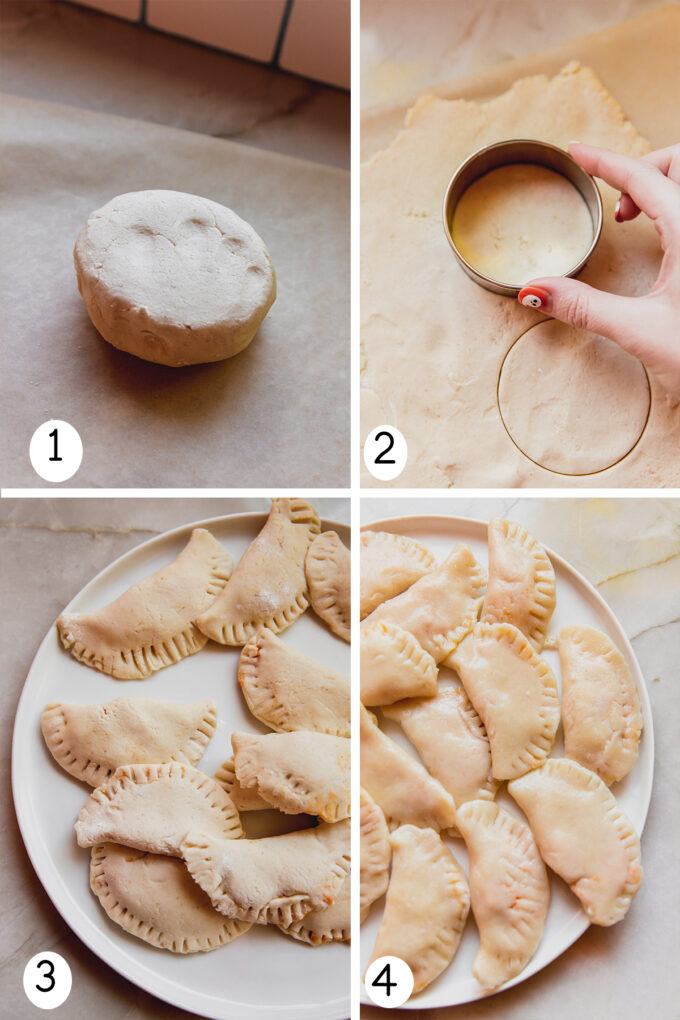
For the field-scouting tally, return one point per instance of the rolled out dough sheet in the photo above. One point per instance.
(433, 341)
(536, 389)
(275, 415)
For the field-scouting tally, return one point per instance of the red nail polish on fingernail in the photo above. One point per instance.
(617, 212)
(533, 297)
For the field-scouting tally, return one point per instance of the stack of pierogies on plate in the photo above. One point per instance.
(496, 723)
(170, 862)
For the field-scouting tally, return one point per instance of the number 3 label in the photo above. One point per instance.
(389, 982)
(47, 980)
(385, 453)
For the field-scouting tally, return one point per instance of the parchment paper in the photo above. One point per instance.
(275, 415)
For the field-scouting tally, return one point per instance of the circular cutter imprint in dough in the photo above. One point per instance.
(521, 221)
(572, 402)
(173, 278)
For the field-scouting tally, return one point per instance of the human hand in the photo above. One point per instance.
(647, 326)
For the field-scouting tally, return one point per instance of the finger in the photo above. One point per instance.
(626, 209)
(667, 161)
(655, 194)
(574, 302)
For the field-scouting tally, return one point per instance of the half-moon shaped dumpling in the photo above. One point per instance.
(509, 890)
(389, 565)
(243, 800)
(287, 690)
(521, 588)
(268, 587)
(92, 741)
(393, 665)
(156, 899)
(275, 880)
(402, 787)
(375, 854)
(151, 625)
(298, 773)
(440, 608)
(327, 924)
(583, 835)
(327, 568)
(426, 906)
(515, 694)
(600, 706)
(450, 738)
(152, 807)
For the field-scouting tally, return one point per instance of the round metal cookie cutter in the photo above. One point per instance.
(520, 150)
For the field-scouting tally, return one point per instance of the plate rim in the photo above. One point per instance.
(97, 940)
(583, 923)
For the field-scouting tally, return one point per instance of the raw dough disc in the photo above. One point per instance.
(521, 221)
(173, 278)
(572, 401)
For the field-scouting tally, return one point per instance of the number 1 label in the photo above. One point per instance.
(56, 451)
(54, 434)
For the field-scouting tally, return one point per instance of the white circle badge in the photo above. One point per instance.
(385, 452)
(56, 451)
(389, 982)
(47, 980)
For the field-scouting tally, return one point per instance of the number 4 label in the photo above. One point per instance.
(385, 453)
(389, 982)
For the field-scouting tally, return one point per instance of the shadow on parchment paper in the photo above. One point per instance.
(177, 393)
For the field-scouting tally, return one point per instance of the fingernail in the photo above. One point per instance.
(534, 297)
(617, 212)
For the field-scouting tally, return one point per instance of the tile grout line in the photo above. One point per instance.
(283, 28)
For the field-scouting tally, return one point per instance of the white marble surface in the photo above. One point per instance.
(630, 550)
(49, 550)
(72, 55)
(409, 45)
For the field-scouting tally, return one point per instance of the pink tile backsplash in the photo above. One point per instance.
(247, 27)
(316, 36)
(317, 41)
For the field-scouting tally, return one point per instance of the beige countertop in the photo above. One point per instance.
(78, 57)
(630, 550)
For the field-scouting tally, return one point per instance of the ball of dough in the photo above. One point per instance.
(173, 278)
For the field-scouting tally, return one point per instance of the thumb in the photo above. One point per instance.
(619, 318)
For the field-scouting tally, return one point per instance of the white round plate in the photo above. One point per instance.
(577, 603)
(261, 975)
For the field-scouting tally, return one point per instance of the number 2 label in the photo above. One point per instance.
(385, 453)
